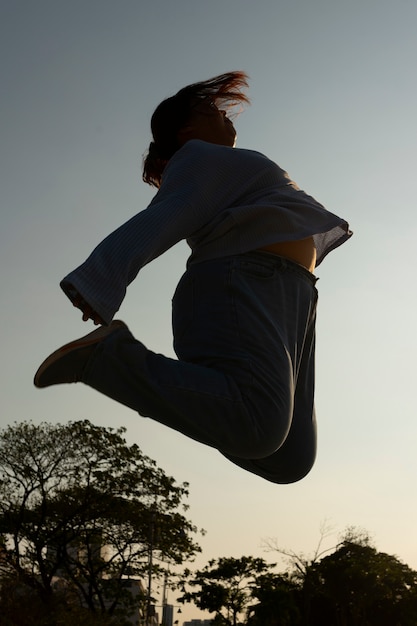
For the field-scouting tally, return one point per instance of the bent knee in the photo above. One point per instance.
(290, 475)
(276, 468)
(258, 445)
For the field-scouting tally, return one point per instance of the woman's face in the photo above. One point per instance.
(208, 123)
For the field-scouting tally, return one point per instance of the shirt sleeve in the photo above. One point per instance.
(187, 200)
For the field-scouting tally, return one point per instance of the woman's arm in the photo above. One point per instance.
(196, 185)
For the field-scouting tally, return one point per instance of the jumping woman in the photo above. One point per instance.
(243, 313)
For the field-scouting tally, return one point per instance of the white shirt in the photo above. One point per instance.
(223, 201)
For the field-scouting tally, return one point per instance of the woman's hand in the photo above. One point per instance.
(87, 311)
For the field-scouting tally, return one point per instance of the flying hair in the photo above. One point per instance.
(226, 90)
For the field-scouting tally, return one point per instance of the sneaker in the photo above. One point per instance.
(66, 364)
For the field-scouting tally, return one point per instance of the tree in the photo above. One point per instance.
(277, 605)
(302, 568)
(355, 585)
(360, 586)
(81, 512)
(225, 587)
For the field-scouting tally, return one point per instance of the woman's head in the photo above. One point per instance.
(195, 112)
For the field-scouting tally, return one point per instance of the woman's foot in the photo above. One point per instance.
(67, 364)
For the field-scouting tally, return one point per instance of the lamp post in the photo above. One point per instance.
(168, 609)
(168, 613)
(149, 610)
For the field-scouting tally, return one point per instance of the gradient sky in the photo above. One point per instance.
(334, 102)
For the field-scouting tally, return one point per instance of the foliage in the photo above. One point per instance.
(361, 586)
(224, 587)
(21, 606)
(354, 585)
(304, 569)
(277, 605)
(77, 504)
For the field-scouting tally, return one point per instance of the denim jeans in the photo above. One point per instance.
(244, 334)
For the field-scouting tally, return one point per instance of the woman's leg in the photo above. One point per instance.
(198, 401)
(237, 328)
(295, 458)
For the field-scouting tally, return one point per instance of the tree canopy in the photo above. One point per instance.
(84, 516)
(224, 587)
(358, 585)
(355, 585)
(80, 505)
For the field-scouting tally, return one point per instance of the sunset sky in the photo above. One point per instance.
(334, 102)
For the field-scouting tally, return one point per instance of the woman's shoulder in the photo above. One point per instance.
(209, 156)
(199, 147)
(199, 163)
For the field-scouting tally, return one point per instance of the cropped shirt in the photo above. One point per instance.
(223, 201)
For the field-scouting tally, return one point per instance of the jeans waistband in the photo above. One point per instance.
(282, 262)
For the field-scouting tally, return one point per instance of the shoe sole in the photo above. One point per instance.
(83, 342)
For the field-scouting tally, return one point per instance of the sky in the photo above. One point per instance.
(333, 101)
